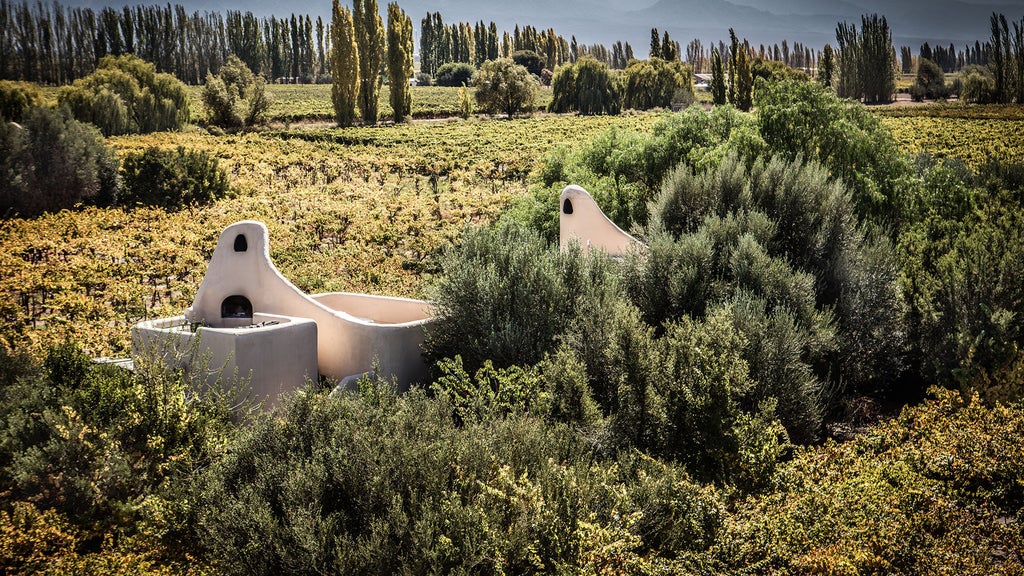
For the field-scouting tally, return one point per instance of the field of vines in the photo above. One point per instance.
(298, 102)
(361, 209)
(971, 133)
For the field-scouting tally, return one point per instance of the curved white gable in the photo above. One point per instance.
(581, 220)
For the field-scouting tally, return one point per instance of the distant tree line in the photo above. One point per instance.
(52, 44)
(474, 44)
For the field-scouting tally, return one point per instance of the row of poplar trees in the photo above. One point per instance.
(731, 79)
(1006, 60)
(52, 44)
(359, 47)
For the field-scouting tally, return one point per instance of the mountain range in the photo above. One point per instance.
(811, 22)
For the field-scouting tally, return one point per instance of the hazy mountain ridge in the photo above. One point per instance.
(606, 21)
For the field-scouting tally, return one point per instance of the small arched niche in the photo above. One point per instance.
(241, 244)
(567, 206)
(236, 306)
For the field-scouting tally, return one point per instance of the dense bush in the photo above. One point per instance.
(977, 85)
(374, 483)
(930, 81)
(16, 98)
(585, 86)
(530, 60)
(171, 178)
(502, 86)
(99, 451)
(236, 97)
(125, 95)
(505, 296)
(624, 171)
(853, 145)
(779, 240)
(51, 162)
(961, 257)
(656, 83)
(566, 342)
(454, 74)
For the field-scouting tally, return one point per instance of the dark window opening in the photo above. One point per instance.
(567, 206)
(236, 307)
(241, 245)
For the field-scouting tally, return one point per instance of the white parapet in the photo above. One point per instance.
(267, 355)
(581, 220)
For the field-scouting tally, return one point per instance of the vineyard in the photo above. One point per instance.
(299, 102)
(971, 133)
(362, 209)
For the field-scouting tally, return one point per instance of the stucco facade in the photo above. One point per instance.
(353, 332)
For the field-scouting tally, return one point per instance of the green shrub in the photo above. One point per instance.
(125, 95)
(930, 81)
(454, 74)
(852, 144)
(654, 83)
(490, 392)
(787, 234)
(109, 450)
(585, 86)
(530, 60)
(16, 98)
(51, 162)
(236, 97)
(375, 483)
(502, 86)
(172, 178)
(504, 296)
(977, 85)
(959, 274)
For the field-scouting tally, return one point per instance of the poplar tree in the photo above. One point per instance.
(867, 60)
(400, 64)
(744, 80)
(827, 68)
(733, 61)
(344, 65)
(717, 77)
(369, 35)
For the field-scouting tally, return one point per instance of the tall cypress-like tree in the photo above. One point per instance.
(369, 33)
(344, 65)
(867, 61)
(744, 79)
(878, 69)
(1000, 57)
(733, 61)
(717, 77)
(827, 68)
(400, 64)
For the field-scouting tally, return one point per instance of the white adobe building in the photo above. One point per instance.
(249, 319)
